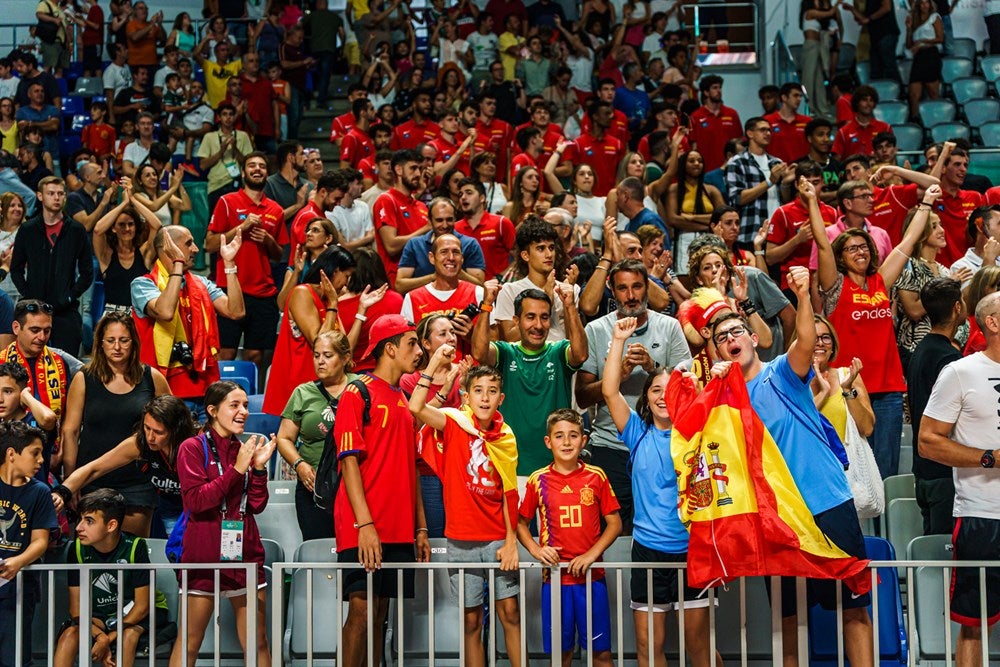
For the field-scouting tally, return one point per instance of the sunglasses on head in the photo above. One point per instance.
(37, 308)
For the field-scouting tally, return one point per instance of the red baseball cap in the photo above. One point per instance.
(386, 326)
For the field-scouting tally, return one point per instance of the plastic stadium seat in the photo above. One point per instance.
(258, 422)
(273, 553)
(906, 456)
(278, 522)
(72, 105)
(981, 111)
(892, 640)
(955, 129)
(316, 551)
(991, 67)
(68, 144)
(905, 66)
(281, 491)
(255, 403)
(63, 87)
(933, 112)
(909, 136)
(990, 133)
(80, 121)
(89, 86)
(864, 72)
(326, 611)
(846, 60)
(893, 112)
(233, 370)
(964, 47)
(899, 486)
(955, 68)
(887, 89)
(969, 88)
(903, 523)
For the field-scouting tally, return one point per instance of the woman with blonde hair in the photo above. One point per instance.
(12, 214)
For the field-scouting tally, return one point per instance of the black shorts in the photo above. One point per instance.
(92, 58)
(259, 329)
(665, 582)
(384, 581)
(975, 539)
(840, 525)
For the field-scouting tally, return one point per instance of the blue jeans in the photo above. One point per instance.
(8, 610)
(295, 113)
(882, 58)
(949, 35)
(432, 493)
(197, 408)
(888, 408)
(10, 182)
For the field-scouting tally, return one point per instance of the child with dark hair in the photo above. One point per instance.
(18, 403)
(26, 519)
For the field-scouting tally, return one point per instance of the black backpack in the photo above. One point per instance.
(327, 475)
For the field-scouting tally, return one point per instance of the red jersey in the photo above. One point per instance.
(954, 211)
(551, 136)
(367, 168)
(710, 132)
(844, 111)
(618, 129)
(355, 146)
(404, 214)
(570, 508)
(386, 448)
(522, 160)
(99, 139)
(411, 134)
(472, 487)
(424, 302)
(495, 235)
(260, 98)
(390, 304)
(890, 208)
(253, 261)
(992, 196)
(643, 147)
(854, 138)
(788, 139)
(341, 125)
(603, 156)
(446, 149)
(496, 137)
(786, 222)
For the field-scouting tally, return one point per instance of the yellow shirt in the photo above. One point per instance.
(507, 40)
(216, 76)
(359, 8)
(835, 409)
(10, 140)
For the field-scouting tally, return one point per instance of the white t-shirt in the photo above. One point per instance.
(582, 68)
(773, 200)
(352, 223)
(486, 48)
(135, 153)
(504, 307)
(117, 78)
(442, 295)
(160, 78)
(592, 209)
(965, 395)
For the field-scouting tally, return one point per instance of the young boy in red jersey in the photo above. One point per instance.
(474, 453)
(570, 498)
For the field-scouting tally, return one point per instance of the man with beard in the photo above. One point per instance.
(418, 130)
(329, 191)
(397, 215)
(261, 222)
(713, 123)
(288, 187)
(495, 233)
(357, 143)
(658, 342)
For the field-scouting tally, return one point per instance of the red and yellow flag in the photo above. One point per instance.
(737, 497)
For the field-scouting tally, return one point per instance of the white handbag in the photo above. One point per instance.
(862, 472)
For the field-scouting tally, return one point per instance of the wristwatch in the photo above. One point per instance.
(850, 393)
(988, 460)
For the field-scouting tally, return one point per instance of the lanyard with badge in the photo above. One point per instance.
(231, 548)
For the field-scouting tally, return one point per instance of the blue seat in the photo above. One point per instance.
(909, 136)
(63, 86)
(969, 88)
(255, 403)
(80, 121)
(68, 144)
(74, 71)
(955, 68)
(846, 59)
(234, 370)
(258, 422)
(991, 67)
(892, 640)
(88, 86)
(964, 47)
(887, 89)
(981, 110)
(864, 72)
(952, 130)
(72, 105)
(933, 112)
(893, 112)
(990, 133)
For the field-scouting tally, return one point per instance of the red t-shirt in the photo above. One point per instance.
(551, 136)
(401, 212)
(94, 36)
(386, 448)
(391, 304)
(618, 129)
(341, 125)
(411, 134)
(260, 98)
(643, 147)
(446, 149)
(496, 137)
(786, 222)
(570, 508)
(603, 156)
(252, 260)
(496, 236)
(844, 110)
(788, 139)
(367, 168)
(890, 208)
(356, 146)
(993, 196)
(99, 138)
(854, 138)
(473, 489)
(710, 132)
(954, 211)
(522, 160)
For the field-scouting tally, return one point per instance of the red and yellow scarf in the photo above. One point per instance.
(49, 372)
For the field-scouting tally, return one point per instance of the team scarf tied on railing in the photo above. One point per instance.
(737, 497)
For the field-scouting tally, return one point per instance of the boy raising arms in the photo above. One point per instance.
(26, 517)
(100, 540)
(570, 498)
(474, 453)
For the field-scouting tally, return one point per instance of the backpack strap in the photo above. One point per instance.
(131, 553)
(365, 396)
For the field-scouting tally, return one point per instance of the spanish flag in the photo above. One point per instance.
(737, 497)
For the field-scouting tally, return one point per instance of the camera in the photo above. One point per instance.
(182, 354)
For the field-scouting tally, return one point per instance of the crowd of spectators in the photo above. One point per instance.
(551, 204)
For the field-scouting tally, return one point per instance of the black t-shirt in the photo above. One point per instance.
(130, 549)
(23, 509)
(128, 96)
(48, 82)
(931, 356)
(78, 201)
(833, 172)
(164, 480)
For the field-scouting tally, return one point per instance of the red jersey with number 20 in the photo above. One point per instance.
(570, 508)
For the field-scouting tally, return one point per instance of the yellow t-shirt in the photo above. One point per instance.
(359, 8)
(507, 40)
(10, 139)
(835, 409)
(216, 76)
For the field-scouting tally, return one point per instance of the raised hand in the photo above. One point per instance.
(264, 448)
(228, 250)
(855, 367)
(932, 194)
(624, 328)
(798, 280)
(369, 297)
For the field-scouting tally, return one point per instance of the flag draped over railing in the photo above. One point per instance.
(737, 497)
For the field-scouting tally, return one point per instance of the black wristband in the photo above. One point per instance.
(260, 473)
(64, 493)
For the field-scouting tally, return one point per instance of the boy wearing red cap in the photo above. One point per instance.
(378, 513)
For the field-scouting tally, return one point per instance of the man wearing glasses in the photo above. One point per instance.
(757, 183)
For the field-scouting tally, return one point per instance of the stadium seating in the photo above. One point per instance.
(893, 112)
(887, 89)
(281, 491)
(903, 523)
(990, 133)
(279, 522)
(954, 129)
(243, 373)
(953, 68)
(981, 111)
(909, 137)
(969, 88)
(991, 67)
(933, 112)
(964, 47)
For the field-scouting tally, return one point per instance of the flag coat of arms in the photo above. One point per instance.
(737, 496)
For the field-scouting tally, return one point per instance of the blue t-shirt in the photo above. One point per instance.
(416, 250)
(784, 402)
(47, 112)
(634, 104)
(23, 509)
(656, 523)
(647, 217)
